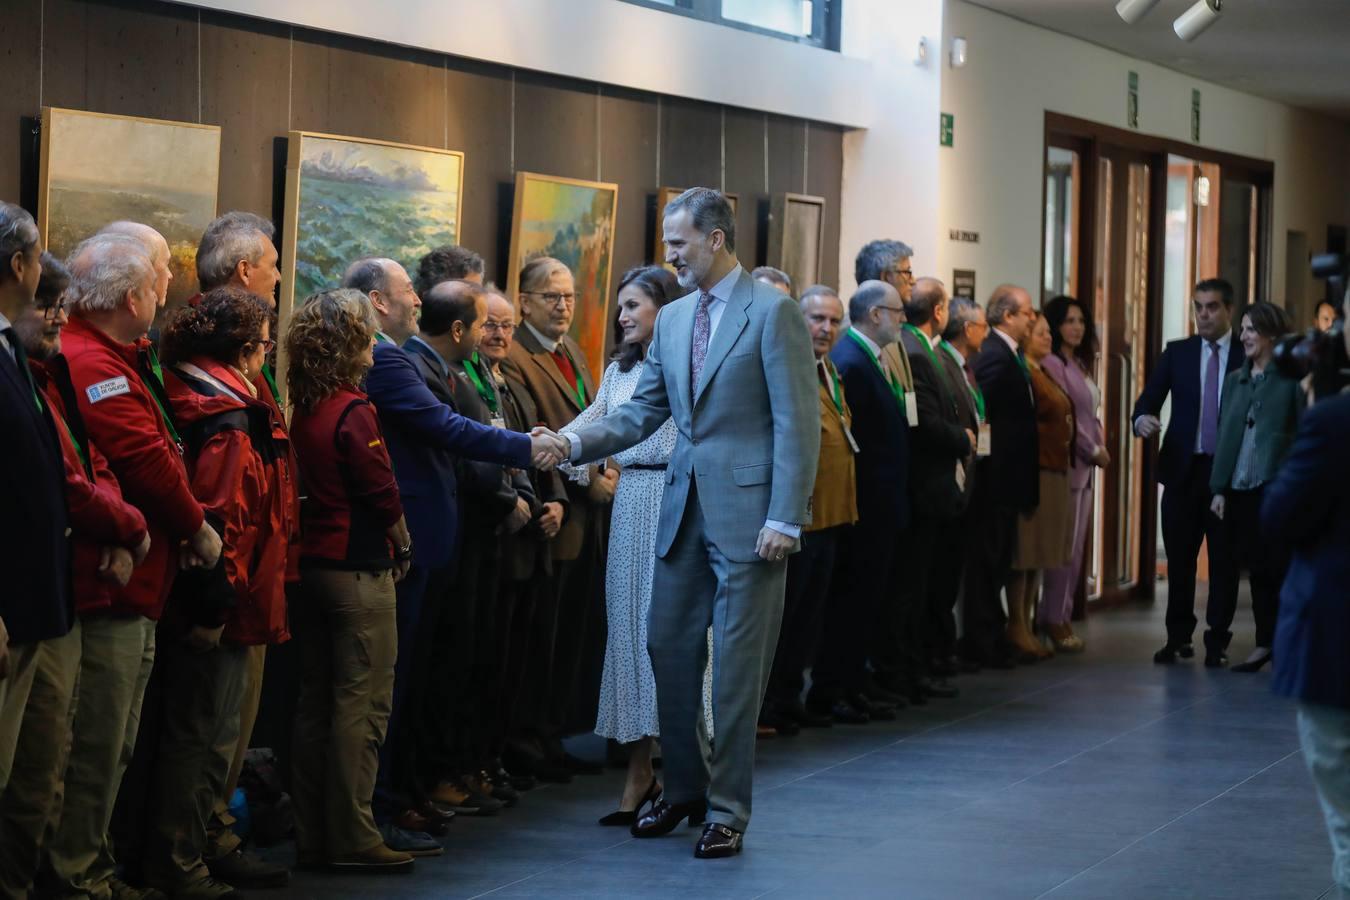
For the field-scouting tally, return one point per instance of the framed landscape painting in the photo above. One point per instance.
(350, 197)
(98, 168)
(572, 221)
(796, 236)
(664, 196)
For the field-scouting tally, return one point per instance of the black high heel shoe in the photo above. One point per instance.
(1254, 665)
(628, 817)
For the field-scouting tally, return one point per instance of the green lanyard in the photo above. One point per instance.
(928, 348)
(1022, 361)
(834, 387)
(894, 385)
(163, 413)
(271, 383)
(382, 338)
(576, 371)
(489, 396)
(976, 394)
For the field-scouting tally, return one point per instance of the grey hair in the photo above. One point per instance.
(367, 274)
(819, 290)
(141, 232)
(962, 311)
(1002, 303)
(104, 269)
(773, 276)
(234, 236)
(877, 256)
(539, 270)
(869, 294)
(924, 299)
(710, 211)
(18, 233)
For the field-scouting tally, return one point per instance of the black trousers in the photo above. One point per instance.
(1265, 562)
(938, 550)
(808, 584)
(993, 531)
(864, 565)
(1186, 523)
(578, 648)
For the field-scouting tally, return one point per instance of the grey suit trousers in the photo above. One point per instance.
(694, 586)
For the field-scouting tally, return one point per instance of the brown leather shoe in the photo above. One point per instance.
(718, 841)
(377, 860)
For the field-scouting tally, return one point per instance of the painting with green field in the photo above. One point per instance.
(99, 168)
(348, 198)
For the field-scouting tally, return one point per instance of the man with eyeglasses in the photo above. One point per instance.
(892, 262)
(861, 613)
(554, 370)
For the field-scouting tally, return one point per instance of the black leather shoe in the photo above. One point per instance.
(1186, 651)
(770, 717)
(845, 713)
(878, 692)
(876, 710)
(718, 841)
(1166, 656)
(1256, 664)
(663, 818)
(797, 712)
(1216, 660)
(940, 689)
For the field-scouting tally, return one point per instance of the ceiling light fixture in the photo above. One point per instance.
(1193, 22)
(1134, 10)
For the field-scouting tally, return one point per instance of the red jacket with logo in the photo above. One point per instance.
(238, 456)
(123, 417)
(99, 517)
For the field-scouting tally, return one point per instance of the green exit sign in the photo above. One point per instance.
(945, 128)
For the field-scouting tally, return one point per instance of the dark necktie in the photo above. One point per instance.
(1209, 406)
(702, 329)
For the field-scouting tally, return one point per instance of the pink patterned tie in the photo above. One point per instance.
(699, 351)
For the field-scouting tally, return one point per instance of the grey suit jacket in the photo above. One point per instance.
(750, 434)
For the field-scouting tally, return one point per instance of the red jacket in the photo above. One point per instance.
(124, 419)
(238, 456)
(351, 496)
(99, 517)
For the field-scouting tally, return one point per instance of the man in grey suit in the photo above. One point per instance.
(732, 364)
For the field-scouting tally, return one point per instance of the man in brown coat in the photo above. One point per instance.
(556, 374)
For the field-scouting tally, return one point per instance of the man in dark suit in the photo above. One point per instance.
(36, 602)
(1192, 371)
(1307, 508)
(426, 438)
(557, 375)
(862, 594)
(942, 450)
(493, 500)
(1009, 484)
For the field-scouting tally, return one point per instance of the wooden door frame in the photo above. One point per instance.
(1089, 139)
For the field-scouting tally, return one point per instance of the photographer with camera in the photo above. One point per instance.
(1256, 426)
(1308, 507)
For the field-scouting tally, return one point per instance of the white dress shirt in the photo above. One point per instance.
(1225, 346)
(548, 343)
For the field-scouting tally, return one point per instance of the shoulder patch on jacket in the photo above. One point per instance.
(105, 389)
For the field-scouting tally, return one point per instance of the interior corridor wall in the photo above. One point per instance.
(990, 180)
(257, 79)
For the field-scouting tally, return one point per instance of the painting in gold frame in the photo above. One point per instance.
(98, 168)
(572, 220)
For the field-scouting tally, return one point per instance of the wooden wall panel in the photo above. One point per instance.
(556, 125)
(628, 158)
(691, 144)
(478, 121)
(745, 176)
(824, 178)
(20, 56)
(245, 78)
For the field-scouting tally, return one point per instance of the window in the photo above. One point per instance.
(814, 22)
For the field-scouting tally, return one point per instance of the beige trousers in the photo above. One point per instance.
(348, 635)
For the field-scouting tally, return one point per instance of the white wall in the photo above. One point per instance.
(990, 180)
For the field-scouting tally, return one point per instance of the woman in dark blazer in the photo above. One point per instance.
(1256, 426)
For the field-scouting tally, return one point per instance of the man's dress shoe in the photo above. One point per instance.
(718, 841)
(663, 818)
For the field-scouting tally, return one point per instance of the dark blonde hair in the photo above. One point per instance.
(325, 341)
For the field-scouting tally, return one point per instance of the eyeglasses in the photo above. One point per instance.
(898, 310)
(499, 327)
(53, 312)
(553, 299)
(267, 345)
(907, 274)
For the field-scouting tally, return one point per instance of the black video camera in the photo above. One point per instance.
(1321, 354)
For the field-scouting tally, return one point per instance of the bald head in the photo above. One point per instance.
(390, 291)
(875, 310)
(1009, 310)
(927, 306)
(156, 247)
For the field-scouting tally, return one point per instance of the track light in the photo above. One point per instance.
(1190, 24)
(1134, 10)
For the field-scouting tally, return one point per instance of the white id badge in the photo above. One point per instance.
(983, 442)
(498, 422)
(848, 435)
(960, 476)
(912, 408)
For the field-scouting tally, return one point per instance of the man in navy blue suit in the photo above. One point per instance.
(863, 592)
(1192, 371)
(425, 437)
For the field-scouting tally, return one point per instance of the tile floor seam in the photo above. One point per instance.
(1143, 837)
(547, 869)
